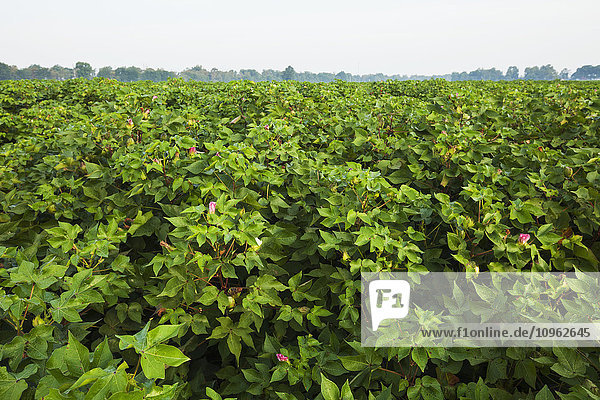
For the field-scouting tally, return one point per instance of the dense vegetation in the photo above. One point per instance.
(199, 73)
(191, 240)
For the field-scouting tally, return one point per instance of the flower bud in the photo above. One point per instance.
(231, 301)
(212, 207)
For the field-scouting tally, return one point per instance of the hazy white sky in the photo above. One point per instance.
(392, 37)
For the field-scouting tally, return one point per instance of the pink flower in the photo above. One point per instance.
(524, 238)
(281, 357)
(192, 151)
(267, 127)
(212, 207)
(218, 155)
(129, 121)
(154, 97)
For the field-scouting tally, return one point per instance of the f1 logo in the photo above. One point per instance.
(389, 300)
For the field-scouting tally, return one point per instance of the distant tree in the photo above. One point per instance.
(325, 77)
(495, 74)
(564, 74)
(532, 73)
(83, 70)
(459, 76)
(548, 72)
(486, 75)
(271, 75)
(128, 74)
(250, 74)
(307, 77)
(155, 75)
(544, 73)
(106, 72)
(230, 75)
(164, 75)
(60, 73)
(31, 72)
(512, 73)
(24, 73)
(6, 72)
(587, 72)
(341, 76)
(214, 75)
(196, 73)
(289, 74)
(43, 73)
(149, 74)
(476, 75)
(34, 72)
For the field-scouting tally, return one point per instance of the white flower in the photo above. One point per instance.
(258, 243)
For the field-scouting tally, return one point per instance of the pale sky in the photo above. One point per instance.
(393, 37)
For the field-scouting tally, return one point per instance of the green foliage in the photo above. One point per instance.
(119, 282)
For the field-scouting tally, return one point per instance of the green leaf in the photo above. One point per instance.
(279, 373)
(482, 392)
(582, 193)
(134, 311)
(139, 221)
(329, 390)
(526, 369)
(94, 170)
(169, 355)
(544, 394)
(10, 388)
(196, 167)
(354, 363)
(153, 360)
(29, 370)
(14, 350)
(347, 392)
(177, 183)
(496, 370)
(569, 363)
(102, 355)
(209, 295)
(431, 388)
(161, 333)
(419, 355)
(351, 217)
(545, 236)
(359, 139)
(286, 396)
(137, 395)
(87, 378)
(212, 394)
(37, 348)
(151, 368)
(235, 346)
(77, 356)
(454, 241)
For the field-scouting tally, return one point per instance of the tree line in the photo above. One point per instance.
(199, 73)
